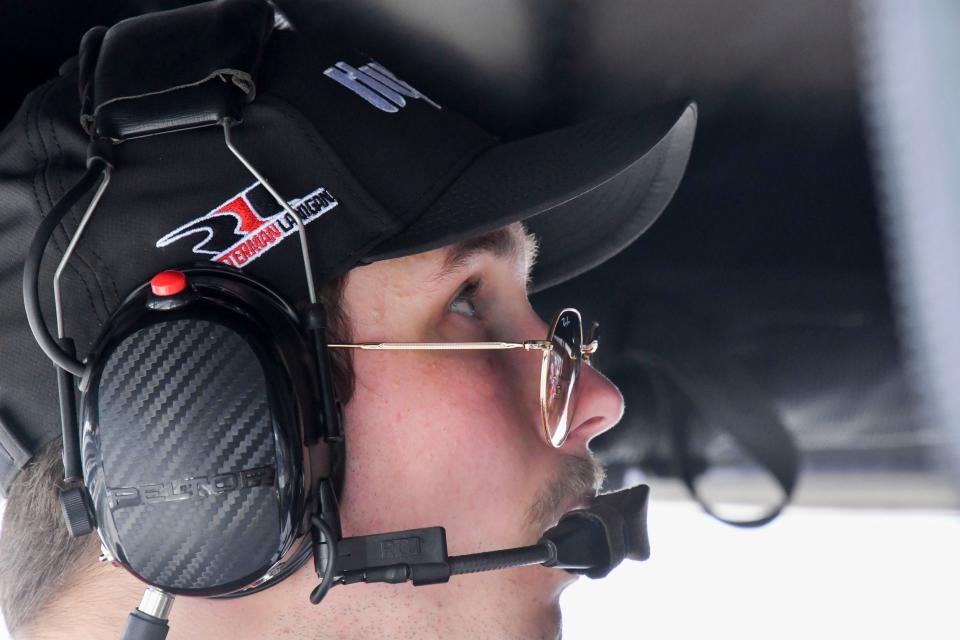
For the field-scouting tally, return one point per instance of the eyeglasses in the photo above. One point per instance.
(563, 351)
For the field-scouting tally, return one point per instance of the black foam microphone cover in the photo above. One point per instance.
(628, 510)
(594, 540)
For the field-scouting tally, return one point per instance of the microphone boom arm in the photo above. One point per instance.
(590, 541)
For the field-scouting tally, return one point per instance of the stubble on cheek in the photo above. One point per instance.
(576, 476)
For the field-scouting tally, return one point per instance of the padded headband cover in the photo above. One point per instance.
(140, 78)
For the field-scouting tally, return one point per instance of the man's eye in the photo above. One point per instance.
(463, 305)
(465, 301)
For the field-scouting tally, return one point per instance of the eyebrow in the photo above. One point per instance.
(506, 242)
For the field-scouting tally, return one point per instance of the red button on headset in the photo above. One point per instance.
(168, 283)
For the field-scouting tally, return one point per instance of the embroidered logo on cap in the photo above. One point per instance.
(249, 224)
(376, 85)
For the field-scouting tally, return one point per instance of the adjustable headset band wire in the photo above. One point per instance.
(301, 228)
(58, 307)
(31, 275)
(301, 556)
(31, 268)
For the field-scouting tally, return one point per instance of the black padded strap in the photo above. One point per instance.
(172, 70)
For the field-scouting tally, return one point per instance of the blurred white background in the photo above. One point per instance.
(814, 574)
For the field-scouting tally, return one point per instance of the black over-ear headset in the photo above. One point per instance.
(208, 444)
(204, 381)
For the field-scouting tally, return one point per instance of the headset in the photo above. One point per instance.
(205, 381)
(205, 350)
(208, 381)
(219, 392)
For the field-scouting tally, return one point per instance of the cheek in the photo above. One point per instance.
(440, 439)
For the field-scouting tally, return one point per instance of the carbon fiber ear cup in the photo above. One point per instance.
(186, 433)
(193, 442)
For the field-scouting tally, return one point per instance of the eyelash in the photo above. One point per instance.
(469, 293)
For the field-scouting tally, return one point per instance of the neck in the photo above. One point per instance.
(473, 607)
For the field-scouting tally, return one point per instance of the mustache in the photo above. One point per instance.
(577, 476)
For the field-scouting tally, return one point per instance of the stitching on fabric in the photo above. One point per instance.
(245, 83)
(347, 178)
(33, 155)
(341, 172)
(36, 174)
(46, 182)
(44, 178)
(93, 271)
(458, 168)
(104, 267)
(462, 162)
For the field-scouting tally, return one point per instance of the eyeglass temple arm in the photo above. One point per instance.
(593, 342)
(444, 346)
(528, 345)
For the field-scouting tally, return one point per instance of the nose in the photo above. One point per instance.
(597, 404)
(598, 407)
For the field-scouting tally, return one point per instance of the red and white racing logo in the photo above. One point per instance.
(249, 224)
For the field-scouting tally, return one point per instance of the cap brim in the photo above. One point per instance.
(586, 191)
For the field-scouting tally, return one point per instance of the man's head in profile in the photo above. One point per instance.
(427, 230)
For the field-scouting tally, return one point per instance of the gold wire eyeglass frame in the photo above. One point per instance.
(559, 435)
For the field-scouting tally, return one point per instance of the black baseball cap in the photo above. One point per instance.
(370, 161)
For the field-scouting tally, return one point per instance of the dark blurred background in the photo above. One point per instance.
(759, 302)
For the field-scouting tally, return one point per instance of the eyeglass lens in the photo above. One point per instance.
(563, 367)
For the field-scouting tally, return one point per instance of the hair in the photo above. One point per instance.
(38, 557)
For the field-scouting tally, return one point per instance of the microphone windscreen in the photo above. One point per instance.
(631, 505)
